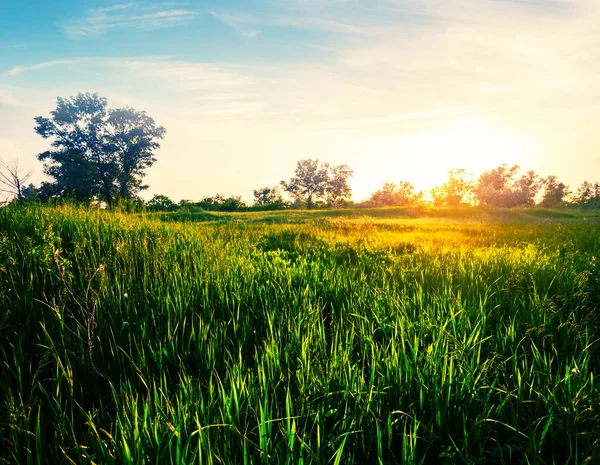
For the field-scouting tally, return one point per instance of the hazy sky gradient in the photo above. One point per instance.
(399, 90)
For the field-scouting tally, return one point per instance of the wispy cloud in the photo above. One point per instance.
(202, 87)
(435, 114)
(16, 96)
(46, 64)
(319, 24)
(349, 17)
(138, 15)
(239, 22)
(249, 25)
(11, 46)
(190, 76)
(7, 97)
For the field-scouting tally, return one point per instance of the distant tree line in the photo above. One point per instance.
(503, 187)
(218, 203)
(317, 185)
(314, 185)
(101, 155)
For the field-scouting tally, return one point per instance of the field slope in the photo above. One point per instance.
(345, 340)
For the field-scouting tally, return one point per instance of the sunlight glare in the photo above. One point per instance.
(426, 157)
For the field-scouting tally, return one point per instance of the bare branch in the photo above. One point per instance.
(12, 180)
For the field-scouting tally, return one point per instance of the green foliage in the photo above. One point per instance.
(340, 340)
(588, 195)
(220, 203)
(96, 151)
(392, 195)
(555, 192)
(161, 202)
(337, 189)
(269, 198)
(458, 190)
(501, 187)
(317, 185)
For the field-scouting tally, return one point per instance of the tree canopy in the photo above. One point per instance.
(96, 151)
(161, 202)
(391, 194)
(269, 198)
(588, 195)
(337, 188)
(502, 187)
(456, 191)
(314, 182)
(554, 192)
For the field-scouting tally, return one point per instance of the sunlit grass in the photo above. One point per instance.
(337, 340)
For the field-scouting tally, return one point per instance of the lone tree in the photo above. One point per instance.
(313, 182)
(97, 151)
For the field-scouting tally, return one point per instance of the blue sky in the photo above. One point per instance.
(200, 31)
(399, 89)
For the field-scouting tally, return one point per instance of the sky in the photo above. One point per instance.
(397, 89)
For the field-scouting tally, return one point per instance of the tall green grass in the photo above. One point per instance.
(126, 340)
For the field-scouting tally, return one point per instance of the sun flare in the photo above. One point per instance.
(426, 157)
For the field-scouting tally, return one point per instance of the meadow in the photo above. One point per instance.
(364, 337)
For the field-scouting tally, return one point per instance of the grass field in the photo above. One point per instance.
(370, 337)
(423, 213)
